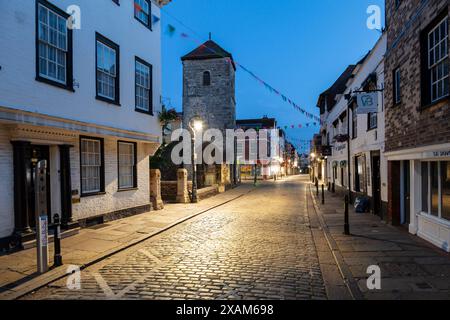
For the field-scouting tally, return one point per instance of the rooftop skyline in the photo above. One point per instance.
(300, 48)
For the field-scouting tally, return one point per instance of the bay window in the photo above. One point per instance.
(436, 189)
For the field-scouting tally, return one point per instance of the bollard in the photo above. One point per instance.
(347, 222)
(333, 188)
(317, 189)
(57, 239)
(323, 194)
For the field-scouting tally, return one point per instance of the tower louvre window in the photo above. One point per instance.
(206, 78)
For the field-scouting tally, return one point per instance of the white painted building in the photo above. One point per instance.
(86, 100)
(368, 166)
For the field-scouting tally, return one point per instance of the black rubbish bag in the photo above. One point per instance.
(361, 205)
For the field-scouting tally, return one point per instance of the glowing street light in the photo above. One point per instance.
(196, 125)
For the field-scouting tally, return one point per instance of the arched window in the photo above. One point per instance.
(206, 78)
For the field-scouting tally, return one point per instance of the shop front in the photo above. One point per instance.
(422, 199)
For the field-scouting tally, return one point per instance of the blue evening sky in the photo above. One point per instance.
(299, 47)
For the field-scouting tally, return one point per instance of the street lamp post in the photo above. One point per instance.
(196, 125)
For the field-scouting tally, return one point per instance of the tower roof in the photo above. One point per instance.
(208, 50)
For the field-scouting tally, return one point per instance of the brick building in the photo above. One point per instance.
(418, 118)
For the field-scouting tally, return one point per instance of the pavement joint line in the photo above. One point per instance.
(346, 274)
(59, 273)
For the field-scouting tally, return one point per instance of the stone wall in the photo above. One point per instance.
(215, 103)
(409, 124)
(169, 190)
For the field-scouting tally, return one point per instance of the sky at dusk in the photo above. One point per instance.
(299, 47)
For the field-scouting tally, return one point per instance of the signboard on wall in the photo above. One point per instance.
(367, 102)
(437, 154)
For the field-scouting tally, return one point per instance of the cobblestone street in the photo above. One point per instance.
(259, 246)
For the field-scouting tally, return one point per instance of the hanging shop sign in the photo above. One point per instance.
(367, 102)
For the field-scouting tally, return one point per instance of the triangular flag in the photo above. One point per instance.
(171, 29)
(155, 19)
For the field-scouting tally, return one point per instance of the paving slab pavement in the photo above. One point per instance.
(411, 268)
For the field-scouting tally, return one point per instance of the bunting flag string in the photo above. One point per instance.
(300, 126)
(171, 30)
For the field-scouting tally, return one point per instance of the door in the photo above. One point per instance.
(406, 217)
(376, 185)
(38, 153)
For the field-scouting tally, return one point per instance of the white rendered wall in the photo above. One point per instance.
(20, 90)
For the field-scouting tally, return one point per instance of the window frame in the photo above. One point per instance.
(425, 71)
(438, 63)
(354, 124)
(68, 85)
(357, 187)
(150, 97)
(106, 42)
(102, 167)
(206, 83)
(370, 125)
(150, 24)
(428, 176)
(135, 181)
(397, 86)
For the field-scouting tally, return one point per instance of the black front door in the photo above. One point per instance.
(38, 153)
(376, 180)
(407, 193)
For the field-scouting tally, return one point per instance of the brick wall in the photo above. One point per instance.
(408, 125)
(169, 190)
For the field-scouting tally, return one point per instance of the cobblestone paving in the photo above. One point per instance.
(257, 247)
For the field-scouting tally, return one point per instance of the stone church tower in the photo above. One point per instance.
(209, 87)
(209, 93)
